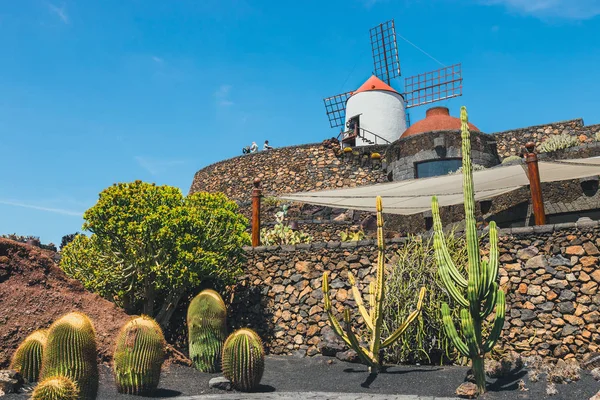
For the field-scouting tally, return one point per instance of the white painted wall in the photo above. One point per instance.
(382, 113)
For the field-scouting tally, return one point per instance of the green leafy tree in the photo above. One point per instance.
(150, 245)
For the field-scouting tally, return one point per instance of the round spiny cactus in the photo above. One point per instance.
(71, 352)
(56, 388)
(27, 360)
(207, 330)
(243, 359)
(139, 355)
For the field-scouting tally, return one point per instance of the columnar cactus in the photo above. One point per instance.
(56, 388)
(71, 352)
(207, 330)
(243, 359)
(373, 317)
(482, 291)
(138, 357)
(27, 360)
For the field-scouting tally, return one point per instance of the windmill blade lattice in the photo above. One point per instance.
(335, 106)
(386, 61)
(441, 84)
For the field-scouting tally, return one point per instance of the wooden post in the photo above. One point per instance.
(533, 173)
(256, 195)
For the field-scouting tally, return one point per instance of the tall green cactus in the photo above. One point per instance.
(207, 330)
(373, 317)
(482, 291)
(71, 352)
(27, 360)
(56, 388)
(138, 357)
(244, 359)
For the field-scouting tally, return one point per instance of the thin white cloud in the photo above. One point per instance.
(154, 166)
(158, 60)
(61, 12)
(564, 9)
(222, 96)
(42, 208)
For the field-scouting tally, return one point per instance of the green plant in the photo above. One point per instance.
(597, 136)
(207, 330)
(511, 159)
(558, 142)
(413, 266)
(243, 359)
(56, 388)
(150, 246)
(27, 360)
(71, 352)
(482, 291)
(374, 317)
(138, 356)
(282, 233)
(350, 236)
(476, 167)
(269, 201)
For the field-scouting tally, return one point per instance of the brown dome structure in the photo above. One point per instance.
(436, 119)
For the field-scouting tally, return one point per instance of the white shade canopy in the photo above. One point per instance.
(414, 196)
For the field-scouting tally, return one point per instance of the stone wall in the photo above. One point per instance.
(549, 272)
(290, 169)
(510, 142)
(403, 154)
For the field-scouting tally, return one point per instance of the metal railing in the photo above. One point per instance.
(372, 139)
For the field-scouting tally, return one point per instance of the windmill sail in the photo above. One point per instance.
(386, 61)
(441, 84)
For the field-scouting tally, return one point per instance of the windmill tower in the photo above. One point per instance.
(376, 113)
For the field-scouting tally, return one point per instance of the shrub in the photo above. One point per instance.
(65, 240)
(352, 236)
(282, 233)
(510, 159)
(150, 246)
(597, 136)
(425, 341)
(558, 142)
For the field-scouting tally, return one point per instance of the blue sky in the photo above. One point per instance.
(95, 92)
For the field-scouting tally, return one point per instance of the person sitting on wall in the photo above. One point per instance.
(246, 150)
(254, 147)
(266, 146)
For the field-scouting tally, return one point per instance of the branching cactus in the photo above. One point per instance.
(374, 316)
(207, 330)
(482, 292)
(56, 388)
(138, 357)
(27, 360)
(243, 359)
(71, 352)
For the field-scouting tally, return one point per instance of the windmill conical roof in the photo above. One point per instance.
(374, 83)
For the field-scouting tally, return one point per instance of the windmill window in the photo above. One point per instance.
(426, 169)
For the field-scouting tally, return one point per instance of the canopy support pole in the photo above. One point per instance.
(533, 173)
(256, 195)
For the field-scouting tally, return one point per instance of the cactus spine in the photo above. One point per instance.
(243, 359)
(374, 316)
(207, 330)
(483, 293)
(56, 388)
(71, 352)
(27, 360)
(138, 357)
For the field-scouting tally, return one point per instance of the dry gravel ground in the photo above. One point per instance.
(284, 377)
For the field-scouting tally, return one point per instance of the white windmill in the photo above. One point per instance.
(376, 113)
